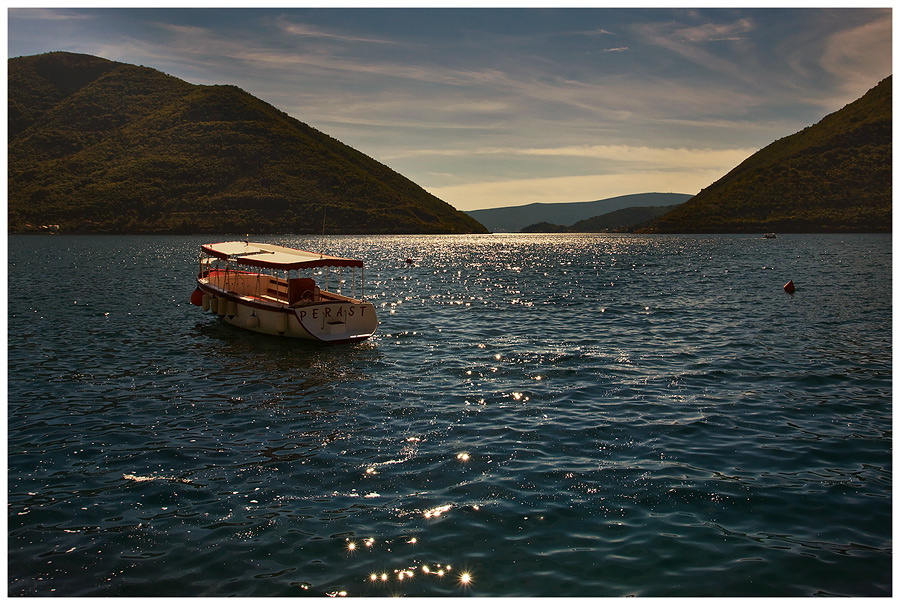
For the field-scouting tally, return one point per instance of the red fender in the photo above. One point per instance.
(197, 297)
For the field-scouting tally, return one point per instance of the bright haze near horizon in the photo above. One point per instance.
(503, 107)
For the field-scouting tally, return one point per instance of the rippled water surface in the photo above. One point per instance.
(536, 415)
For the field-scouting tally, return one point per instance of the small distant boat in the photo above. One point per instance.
(769, 236)
(261, 287)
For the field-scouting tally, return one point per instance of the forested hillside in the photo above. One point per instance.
(100, 145)
(834, 176)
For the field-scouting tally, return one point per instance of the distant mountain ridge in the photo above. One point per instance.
(834, 176)
(514, 218)
(116, 148)
(623, 220)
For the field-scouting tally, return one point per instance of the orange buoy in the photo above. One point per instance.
(197, 297)
(789, 287)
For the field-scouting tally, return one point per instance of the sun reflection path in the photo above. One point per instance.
(407, 578)
(438, 571)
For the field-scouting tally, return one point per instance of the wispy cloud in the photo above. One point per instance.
(673, 157)
(691, 42)
(713, 32)
(47, 14)
(277, 53)
(305, 30)
(598, 32)
(848, 54)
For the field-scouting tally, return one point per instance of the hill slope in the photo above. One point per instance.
(129, 149)
(514, 218)
(834, 176)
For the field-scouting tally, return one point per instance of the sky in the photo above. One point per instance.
(491, 107)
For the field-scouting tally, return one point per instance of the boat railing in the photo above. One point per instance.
(284, 290)
(277, 289)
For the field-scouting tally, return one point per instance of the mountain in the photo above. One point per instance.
(617, 220)
(127, 149)
(513, 218)
(834, 176)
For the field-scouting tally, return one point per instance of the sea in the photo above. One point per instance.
(595, 415)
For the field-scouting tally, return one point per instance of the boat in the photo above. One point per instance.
(769, 236)
(273, 290)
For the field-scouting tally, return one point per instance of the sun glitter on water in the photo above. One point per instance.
(437, 511)
(465, 578)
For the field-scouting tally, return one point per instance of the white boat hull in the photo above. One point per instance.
(332, 321)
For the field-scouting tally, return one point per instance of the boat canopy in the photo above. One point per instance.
(271, 256)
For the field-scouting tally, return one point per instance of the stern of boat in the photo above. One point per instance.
(337, 321)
